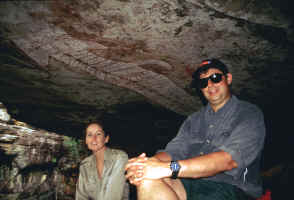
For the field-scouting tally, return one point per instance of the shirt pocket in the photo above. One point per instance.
(196, 137)
(221, 138)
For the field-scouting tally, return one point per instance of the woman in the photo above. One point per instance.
(101, 174)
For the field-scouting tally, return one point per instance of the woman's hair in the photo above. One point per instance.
(102, 124)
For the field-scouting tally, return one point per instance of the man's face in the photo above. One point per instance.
(217, 94)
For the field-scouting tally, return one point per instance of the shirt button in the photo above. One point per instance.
(211, 126)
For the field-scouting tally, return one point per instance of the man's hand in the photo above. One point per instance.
(134, 169)
(141, 167)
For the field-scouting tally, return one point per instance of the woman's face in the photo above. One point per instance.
(95, 138)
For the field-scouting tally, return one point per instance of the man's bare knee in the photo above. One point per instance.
(178, 187)
(149, 184)
(156, 190)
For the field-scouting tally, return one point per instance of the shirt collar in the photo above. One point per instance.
(107, 155)
(223, 110)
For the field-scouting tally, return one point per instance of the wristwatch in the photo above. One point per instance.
(175, 168)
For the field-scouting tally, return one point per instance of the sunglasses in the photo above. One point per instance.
(215, 78)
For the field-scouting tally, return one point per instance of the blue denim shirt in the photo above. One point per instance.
(237, 128)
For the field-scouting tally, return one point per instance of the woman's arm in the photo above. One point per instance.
(81, 194)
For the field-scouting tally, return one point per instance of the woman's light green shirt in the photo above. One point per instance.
(111, 186)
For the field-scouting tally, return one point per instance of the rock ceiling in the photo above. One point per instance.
(95, 54)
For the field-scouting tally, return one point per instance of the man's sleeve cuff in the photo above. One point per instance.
(237, 157)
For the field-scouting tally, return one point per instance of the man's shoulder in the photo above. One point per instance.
(196, 114)
(248, 109)
(192, 119)
(248, 106)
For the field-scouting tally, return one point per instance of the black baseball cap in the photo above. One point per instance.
(204, 66)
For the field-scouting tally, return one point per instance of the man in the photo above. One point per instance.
(216, 153)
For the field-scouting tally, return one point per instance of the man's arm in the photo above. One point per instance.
(158, 167)
(163, 156)
(207, 165)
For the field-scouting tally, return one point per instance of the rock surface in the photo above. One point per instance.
(4, 116)
(98, 53)
(37, 164)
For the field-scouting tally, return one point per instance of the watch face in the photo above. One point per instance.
(175, 166)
